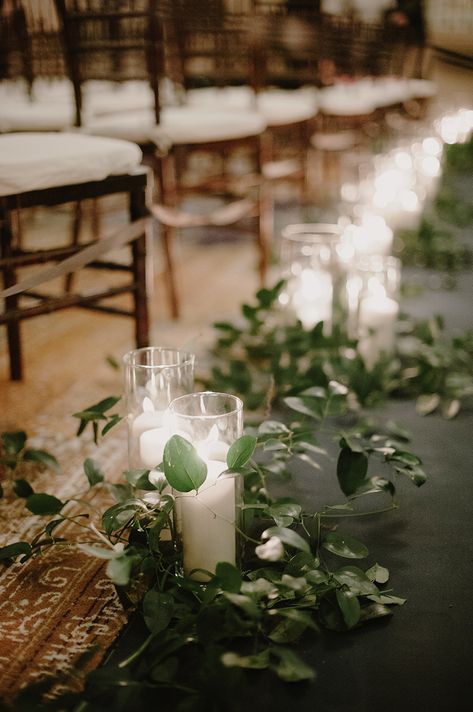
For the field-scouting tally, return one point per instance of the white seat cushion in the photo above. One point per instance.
(22, 115)
(32, 161)
(350, 99)
(421, 88)
(277, 106)
(179, 125)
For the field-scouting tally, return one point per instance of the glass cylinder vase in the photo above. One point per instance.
(309, 267)
(373, 292)
(154, 376)
(207, 519)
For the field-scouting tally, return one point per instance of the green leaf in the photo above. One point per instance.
(44, 457)
(287, 630)
(426, 404)
(240, 452)
(158, 609)
(378, 573)
(287, 536)
(307, 406)
(139, 479)
(183, 468)
(41, 503)
(93, 472)
(284, 513)
(349, 606)
(387, 599)
(344, 545)
(13, 550)
(14, 442)
(375, 610)
(246, 603)
(99, 551)
(351, 470)
(257, 661)
(451, 408)
(229, 577)
(22, 488)
(114, 420)
(118, 515)
(290, 667)
(416, 474)
(356, 580)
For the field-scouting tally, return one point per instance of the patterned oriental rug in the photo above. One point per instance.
(57, 606)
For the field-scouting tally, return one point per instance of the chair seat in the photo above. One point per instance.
(22, 115)
(277, 106)
(334, 141)
(179, 125)
(421, 88)
(34, 161)
(351, 99)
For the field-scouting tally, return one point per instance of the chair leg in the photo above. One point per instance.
(11, 303)
(138, 249)
(166, 235)
(165, 172)
(76, 224)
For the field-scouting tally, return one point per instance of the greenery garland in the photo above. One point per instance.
(297, 569)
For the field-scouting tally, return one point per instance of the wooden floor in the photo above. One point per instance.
(65, 353)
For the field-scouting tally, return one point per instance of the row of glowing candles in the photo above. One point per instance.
(350, 263)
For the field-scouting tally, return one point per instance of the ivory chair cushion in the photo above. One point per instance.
(33, 161)
(278, 107)
(351, 99)
(421, 88)
(179, 125)
(22, 115)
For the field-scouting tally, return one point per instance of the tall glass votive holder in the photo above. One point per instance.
(207, 519)
(309, 267)
(154, 376)
(373, 293)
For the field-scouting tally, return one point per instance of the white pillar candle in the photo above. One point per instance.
(151, 446)
(372, 236)
(207, 522)
(312, 297)
(376, 326)
(146, 420)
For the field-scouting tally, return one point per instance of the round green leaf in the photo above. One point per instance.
(229, 576)
(349, 606)
(241, 451)
(44, 457)
(22, 488)
(351, 470)
(12, 550)
(93, 472)
(44, 504)
(378, 573)
(183, 468)
(158, 609)
(356, 580)
(287, 536)
(14, 442)
(344, 545)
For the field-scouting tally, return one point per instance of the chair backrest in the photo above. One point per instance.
(208, 43)
(110, 40)
(30, 41)
(15, 44)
